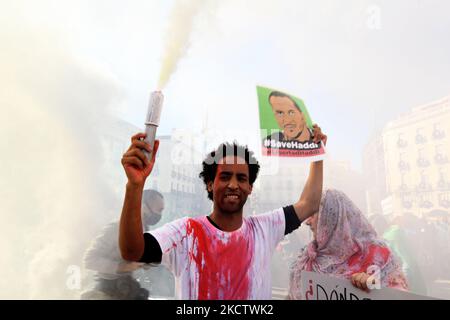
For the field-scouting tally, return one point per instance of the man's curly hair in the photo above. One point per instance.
(228, 149)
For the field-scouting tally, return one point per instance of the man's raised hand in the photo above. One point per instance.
(137, 166)
(318, 135)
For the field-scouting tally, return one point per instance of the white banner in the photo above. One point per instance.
(317, 286)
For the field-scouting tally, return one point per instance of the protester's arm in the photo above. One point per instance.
(137, 168)
(309, 201)
(101, 256)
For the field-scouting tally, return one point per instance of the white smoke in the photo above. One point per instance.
(181, 23)
(53, 192)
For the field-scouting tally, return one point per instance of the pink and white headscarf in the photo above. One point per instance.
(345, 244)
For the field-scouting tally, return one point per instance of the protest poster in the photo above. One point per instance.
(316, 286)
(286, 126)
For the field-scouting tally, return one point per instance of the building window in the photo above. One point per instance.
(420, 137)
(425, 201)
(403, 186)
(407, 201)
(442, 183)
(422, 160)
(440, 157)
(401, 142)
(444, 200)
(403, 165)
(423, 184)
(438, 132)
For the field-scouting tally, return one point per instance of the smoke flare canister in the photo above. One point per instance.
(152, 120)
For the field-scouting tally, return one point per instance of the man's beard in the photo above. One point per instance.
(232, 209)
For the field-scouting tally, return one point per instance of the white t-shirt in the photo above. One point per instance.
(212, 264)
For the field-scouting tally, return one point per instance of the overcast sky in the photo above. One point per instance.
(356, 63)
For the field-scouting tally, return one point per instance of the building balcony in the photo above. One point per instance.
(401, 143)
(438, 134)
(440, 158)
(444, 203)
(420, 139)
(403, 188)
(407, 204)
(444, 199)
(443, 185)
(423, 163)
(423, 187)
(427, 204)
(403, 166)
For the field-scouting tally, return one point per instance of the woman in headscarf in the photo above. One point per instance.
(345, 245)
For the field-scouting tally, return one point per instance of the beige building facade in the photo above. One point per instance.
(416, 154)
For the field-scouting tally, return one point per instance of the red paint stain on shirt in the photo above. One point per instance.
(223, 267)
(375, 255)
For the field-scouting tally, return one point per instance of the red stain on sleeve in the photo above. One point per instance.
(376, 255)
